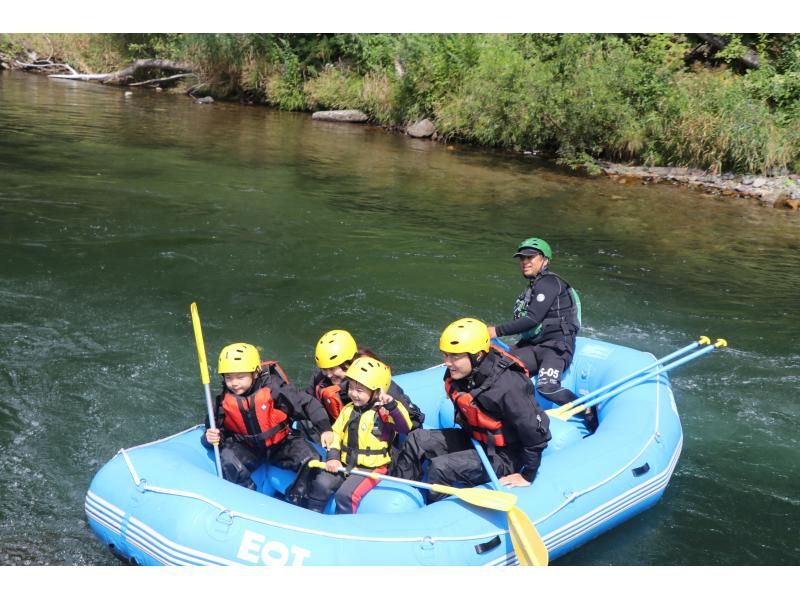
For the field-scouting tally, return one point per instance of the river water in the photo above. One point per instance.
(117, 212)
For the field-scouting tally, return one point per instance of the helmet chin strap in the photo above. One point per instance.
(475, 361)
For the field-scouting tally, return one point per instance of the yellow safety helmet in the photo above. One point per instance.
(466, 335)
(371, 373)
(334, 348)
(237, 358)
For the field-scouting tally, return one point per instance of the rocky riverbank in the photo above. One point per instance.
(771, 191)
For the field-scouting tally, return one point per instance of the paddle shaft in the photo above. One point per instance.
(502, 344)
(587, 397)
(481, 497)
(617, 390)
(201, 356)
(486, 464)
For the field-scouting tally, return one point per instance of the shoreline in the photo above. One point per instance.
(782, 191)
(769, 191)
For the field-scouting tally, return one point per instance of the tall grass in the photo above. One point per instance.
(339, 87)
(709, 120)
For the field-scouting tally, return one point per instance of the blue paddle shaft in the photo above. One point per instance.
(486, 463)
(600, 391)
(653, 374)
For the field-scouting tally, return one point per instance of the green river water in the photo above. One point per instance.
(116, 213)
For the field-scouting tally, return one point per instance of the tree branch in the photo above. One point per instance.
(161, 80)
(43, 65)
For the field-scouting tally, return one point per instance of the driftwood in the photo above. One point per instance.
(126, 76)
(44, 65)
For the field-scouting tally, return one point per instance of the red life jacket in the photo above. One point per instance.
(273, 424)
(330, 397)
(480, 424)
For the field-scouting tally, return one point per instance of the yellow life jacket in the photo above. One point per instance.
(365, 448)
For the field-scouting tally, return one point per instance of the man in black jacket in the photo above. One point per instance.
(547, 315)
(494, 404)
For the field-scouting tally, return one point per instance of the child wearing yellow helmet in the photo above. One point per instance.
(254, 414)
(333, 354)
(363, 435)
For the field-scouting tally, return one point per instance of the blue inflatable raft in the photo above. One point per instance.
(162, 503)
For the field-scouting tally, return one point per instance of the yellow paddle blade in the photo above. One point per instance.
(198, 339)
(574, 411)
(481, 497)
(528, 544)
(564, 412)
(560, 408)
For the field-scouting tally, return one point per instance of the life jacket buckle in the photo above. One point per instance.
(141, 486)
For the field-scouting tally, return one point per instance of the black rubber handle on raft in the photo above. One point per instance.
(487, 546)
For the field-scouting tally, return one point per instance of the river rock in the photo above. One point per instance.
(759, 182)
(421, 129)
(205, 100)
(792, 204)
(344, 116)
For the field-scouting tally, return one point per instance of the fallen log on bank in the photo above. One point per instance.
(127, 76)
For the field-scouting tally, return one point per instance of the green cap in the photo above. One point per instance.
(534, 245)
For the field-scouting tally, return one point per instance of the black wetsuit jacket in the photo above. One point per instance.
(507, 395)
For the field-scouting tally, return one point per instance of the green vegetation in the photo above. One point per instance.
(653, 99)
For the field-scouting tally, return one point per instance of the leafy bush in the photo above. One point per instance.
(433, 65)
(501, 101)
(285, 90)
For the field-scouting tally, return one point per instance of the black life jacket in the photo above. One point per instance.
(562, 319)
